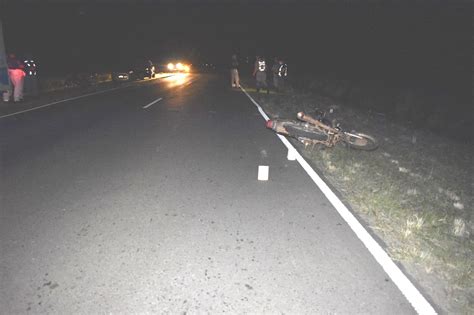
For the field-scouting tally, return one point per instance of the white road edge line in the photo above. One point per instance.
(155, 101)
(62, 101)
(411, 293)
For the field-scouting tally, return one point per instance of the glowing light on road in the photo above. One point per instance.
(178, 79)
(171, 66)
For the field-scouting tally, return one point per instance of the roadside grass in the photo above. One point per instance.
(414, 192)
(60, 83)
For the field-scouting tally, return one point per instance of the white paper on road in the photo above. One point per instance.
(263, 172)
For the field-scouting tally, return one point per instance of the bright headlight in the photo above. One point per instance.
(170, 66)
(187, 68)
(179, 66)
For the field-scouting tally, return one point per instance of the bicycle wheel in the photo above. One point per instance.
(360, 141)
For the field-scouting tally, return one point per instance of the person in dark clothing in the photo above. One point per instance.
(282, 73)
(31, 77)
(260, 74)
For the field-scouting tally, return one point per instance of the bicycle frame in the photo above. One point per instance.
(334, 134)
(311, 131)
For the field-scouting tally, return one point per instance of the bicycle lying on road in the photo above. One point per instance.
(322, 131)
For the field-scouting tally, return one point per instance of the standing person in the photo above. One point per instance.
(234, 72)
(31, 79)
(282, 73)
(260, 74)
(17, 75)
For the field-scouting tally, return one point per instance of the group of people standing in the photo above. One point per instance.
(23, 77)
(279, 72)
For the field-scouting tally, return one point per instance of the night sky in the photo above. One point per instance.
(413, 40)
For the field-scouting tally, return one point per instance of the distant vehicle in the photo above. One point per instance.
(178, 67)
(120, 76)
(139, 71)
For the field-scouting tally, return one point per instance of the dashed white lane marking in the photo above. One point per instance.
(411, 293)
(61, 101)
(76, 97)
(155, 101)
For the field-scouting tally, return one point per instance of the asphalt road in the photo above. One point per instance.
(110, 207)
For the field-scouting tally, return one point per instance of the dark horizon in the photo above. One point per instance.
(428, 43)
